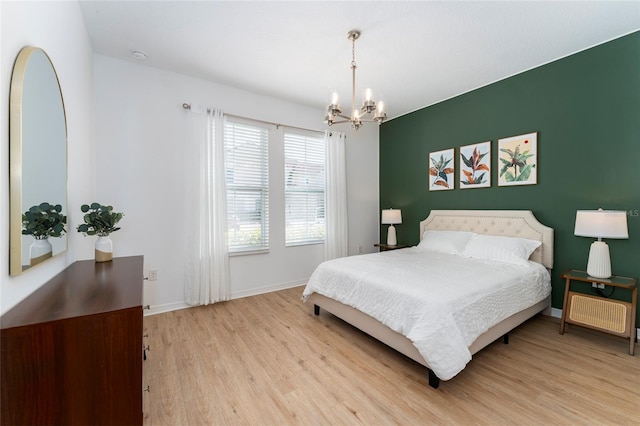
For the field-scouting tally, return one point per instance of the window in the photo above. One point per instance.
(304, 159)
(247, 176)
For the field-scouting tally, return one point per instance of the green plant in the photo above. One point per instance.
(517, 160)
(99, 220)
(440, 170)
(44, 221)
(473, 162)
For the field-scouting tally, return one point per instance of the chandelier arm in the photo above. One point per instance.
(346, 120)
(361, 120)
(346, 117)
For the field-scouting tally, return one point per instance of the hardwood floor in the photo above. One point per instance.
(267, 360)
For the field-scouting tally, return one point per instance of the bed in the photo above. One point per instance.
(342, 287)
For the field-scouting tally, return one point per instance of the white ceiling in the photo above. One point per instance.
(413, 53)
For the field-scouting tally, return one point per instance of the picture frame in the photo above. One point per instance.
(475, 165)
(518, 160)
(442, 170)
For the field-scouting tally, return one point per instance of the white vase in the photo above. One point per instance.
(104, 249)
(39, 251)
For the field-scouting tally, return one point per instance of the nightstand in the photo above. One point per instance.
(599, 312)
(387, 247)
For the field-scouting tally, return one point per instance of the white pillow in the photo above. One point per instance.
(452, 242)
(503, 249)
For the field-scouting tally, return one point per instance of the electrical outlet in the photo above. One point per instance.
(153, 274)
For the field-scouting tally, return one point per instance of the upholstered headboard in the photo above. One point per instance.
(508, 223)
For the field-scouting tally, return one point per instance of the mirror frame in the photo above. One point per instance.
(16, 157)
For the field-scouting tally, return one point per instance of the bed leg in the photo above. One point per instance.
(434, 381)
(316, 310)
(505, 339)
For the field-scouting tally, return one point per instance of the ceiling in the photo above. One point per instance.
(413, 53)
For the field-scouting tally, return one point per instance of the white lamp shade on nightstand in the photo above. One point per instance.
(600, 224)
(391, 217)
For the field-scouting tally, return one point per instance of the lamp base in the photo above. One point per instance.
(391, 236)
(599, 265)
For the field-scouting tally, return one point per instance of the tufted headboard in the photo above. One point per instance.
(507, 223)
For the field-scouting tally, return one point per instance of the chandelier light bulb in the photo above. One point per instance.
(334, 98)
(368, 94)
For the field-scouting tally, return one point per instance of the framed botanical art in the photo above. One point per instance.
(441, 170)
(475, 165)
(518, 160)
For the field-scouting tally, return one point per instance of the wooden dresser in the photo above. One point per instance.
(71, 353)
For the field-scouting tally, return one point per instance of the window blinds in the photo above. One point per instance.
(304, 187)
(247, 177)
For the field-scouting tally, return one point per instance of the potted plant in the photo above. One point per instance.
(101, 221)
(43, 221)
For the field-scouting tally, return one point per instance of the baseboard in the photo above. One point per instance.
(557, 313)
(268, 289)
(553, 312)
(168, 307)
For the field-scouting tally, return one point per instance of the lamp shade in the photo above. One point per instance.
(601, 224)
(391, 216)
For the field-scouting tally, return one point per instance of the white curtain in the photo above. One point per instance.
(337, 233)
(207, 264)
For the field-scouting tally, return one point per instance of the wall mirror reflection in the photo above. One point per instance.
(38, 162)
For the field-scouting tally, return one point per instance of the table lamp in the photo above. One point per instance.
(391, 217)
(600, 224)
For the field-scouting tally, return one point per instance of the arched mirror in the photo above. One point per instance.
(38, 162)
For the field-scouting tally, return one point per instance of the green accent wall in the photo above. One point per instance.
(586, 110)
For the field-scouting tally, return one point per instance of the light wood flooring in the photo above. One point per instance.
(267, 360)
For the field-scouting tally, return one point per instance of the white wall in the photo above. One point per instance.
(59, 29)
(140, 171)
(363, 189)
(135, 163)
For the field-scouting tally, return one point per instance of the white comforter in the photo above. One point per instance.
(441, 302)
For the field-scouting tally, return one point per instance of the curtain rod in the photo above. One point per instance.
(188, 107)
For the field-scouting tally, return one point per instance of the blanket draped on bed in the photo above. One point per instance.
(440, 302)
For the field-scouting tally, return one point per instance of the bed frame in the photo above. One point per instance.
(510, 223)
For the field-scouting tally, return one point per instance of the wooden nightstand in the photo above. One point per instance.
(386, 247)
(599, 312)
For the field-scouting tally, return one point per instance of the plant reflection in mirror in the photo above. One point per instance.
(44, 221)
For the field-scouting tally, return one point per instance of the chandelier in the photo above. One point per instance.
(369, 106)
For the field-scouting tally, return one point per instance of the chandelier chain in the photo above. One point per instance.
(353, 52)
